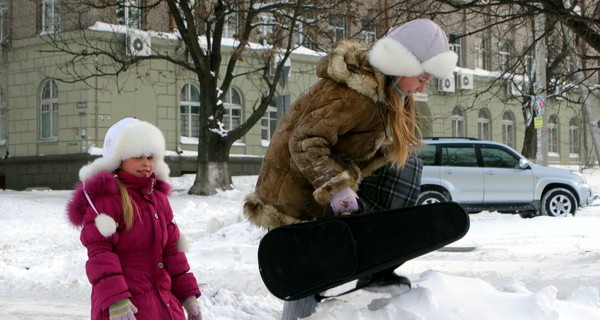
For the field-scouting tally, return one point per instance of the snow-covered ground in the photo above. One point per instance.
(540, 268)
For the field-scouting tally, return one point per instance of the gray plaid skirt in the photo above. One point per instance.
(391, 187)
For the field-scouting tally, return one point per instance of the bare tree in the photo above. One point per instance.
(200, 25)
(564, 66)
(506, 19)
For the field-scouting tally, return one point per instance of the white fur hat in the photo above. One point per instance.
(126, 139)
(413, 48)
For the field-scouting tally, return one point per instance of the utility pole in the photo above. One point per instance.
(539, 88)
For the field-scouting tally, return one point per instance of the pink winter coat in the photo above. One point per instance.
(143, 264)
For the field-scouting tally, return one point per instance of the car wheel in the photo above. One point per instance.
(431, 196)
(558, 202)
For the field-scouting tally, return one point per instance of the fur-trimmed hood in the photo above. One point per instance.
(348, 63)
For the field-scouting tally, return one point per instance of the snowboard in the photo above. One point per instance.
(300, 260)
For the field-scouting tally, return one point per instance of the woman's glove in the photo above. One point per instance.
(344, 200)
(192, 307)
(122, 310)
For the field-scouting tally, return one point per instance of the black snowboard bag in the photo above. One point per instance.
(300, 260)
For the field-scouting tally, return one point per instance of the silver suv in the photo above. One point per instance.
(490, 176)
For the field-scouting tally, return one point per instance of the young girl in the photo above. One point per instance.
(136, 261)
(349, 138)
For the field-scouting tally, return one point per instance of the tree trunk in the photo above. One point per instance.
(530, 142)
(212, 166)
(210, 177)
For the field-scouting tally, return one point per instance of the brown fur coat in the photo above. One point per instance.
(333, 135)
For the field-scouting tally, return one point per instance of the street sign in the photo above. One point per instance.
(539, 105)
(538, 122)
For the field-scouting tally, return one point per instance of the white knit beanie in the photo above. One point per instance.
(126, 139)
(413, 48)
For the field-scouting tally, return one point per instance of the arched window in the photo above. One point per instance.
(574, 137)
(553, 138)
(49, 110)
(189, 109)
(508, 129)
(233, 109)
(484, 125)
(458, 123)
(3, 121)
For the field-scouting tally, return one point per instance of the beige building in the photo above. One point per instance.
(49, 128)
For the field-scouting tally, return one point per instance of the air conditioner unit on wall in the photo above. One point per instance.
(446, 84)
(138, 43)
(464, 81)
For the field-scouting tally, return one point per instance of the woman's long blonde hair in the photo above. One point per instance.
(403, 122)
(127, 205)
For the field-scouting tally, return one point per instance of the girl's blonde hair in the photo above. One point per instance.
(406, 134)
(127, 205)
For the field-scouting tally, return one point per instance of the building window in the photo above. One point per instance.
(574, 137)
(129, 13)
(267, 28)
(3, 120)
(553, 135)
(189, 108)
(368, 32)
(50, 16)
(337, 27)
(458, 123)
(528, 64)
(508, 129)
(49, 110)
(232, 24)
(307, 39)
(298, 33)
(456, 46)
(484, 127)
(233, 109)
(4, 20)
(505, 56)
(268, 124)
(483, 53)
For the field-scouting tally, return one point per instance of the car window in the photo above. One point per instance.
(459, 156)
(498, 158)
(427, 154)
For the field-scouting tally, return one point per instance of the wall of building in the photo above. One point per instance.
(150, 91)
